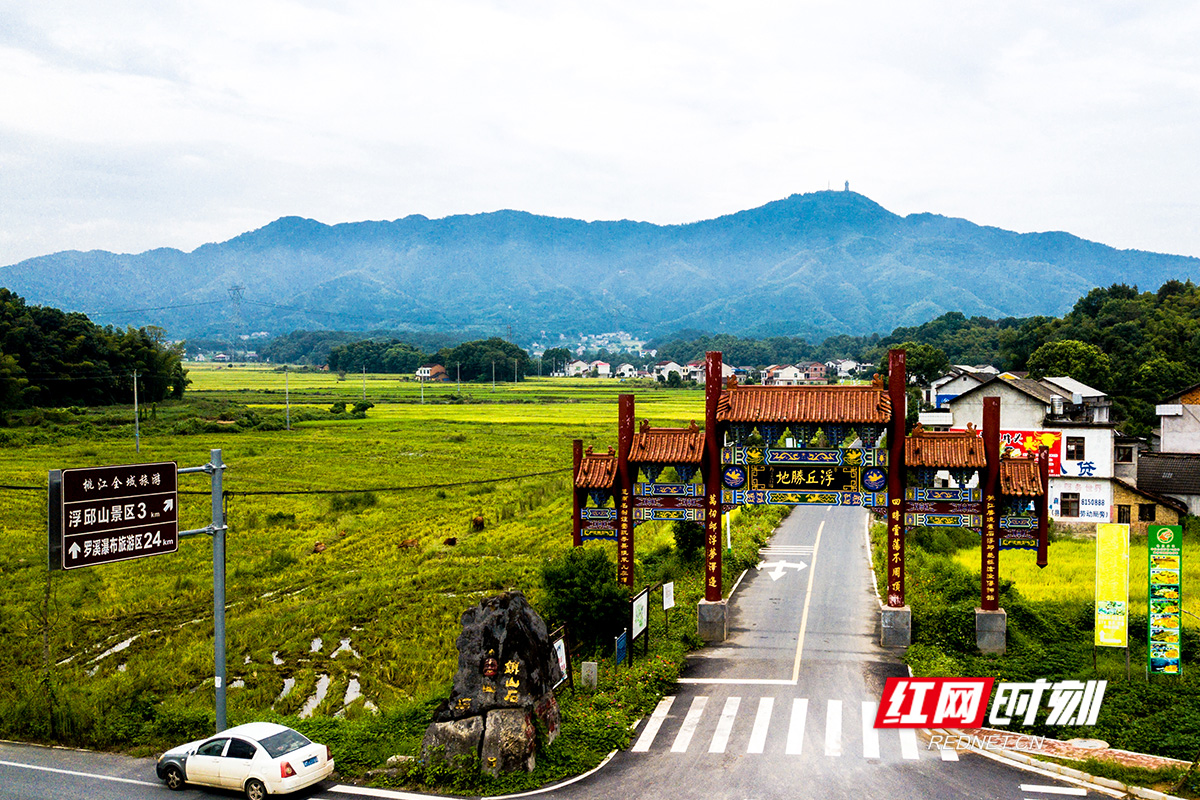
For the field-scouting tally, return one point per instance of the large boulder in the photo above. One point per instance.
(504, 659)
(509, 741)
(506, 675)
(446, 741)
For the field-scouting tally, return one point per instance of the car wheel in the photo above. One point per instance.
(173, 776)
(255, 790)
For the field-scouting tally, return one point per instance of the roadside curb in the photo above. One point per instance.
(1022, 761)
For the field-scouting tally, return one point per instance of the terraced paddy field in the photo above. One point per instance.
(368, 622)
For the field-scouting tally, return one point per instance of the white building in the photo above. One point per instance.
(664, 368)
(602, 369)
(1079, 437)
(626, 371)
(578, 367)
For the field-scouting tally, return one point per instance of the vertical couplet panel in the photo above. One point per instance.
(895, 511)
(989, 594)
(1043, 505)
(625, 416)
(576, 493)
(713, 591)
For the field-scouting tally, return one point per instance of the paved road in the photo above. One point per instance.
(783, 709)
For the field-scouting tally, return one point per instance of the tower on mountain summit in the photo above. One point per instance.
(847, 186)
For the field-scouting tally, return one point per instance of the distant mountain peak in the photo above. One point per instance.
(811, 264)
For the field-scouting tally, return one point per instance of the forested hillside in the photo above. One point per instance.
(51, 358)
(1139, 347)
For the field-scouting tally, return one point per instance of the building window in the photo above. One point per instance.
(1069, 503)
(1122, 515)
(1075, 448)
(1146, 512)
(1124, 454)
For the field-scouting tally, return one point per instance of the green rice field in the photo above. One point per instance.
(366, 623)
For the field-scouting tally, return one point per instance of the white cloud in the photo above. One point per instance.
(132, 125)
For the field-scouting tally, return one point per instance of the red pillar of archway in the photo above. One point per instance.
(577, 493)
(897, 380)
(1043, 505)
(625, 424)
(989, 594)
(713, 591)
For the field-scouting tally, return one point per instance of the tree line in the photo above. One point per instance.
(480, 360)
(49, 357)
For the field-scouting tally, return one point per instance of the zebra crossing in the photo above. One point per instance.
(729, 735)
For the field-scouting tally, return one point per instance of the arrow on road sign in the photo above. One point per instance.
(779, 566)
(168, 504)
(74, 549)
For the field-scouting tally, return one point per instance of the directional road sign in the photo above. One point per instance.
(118, 513)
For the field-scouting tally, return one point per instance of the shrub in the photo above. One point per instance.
(580, 591)
(338, 408)
(689, 538)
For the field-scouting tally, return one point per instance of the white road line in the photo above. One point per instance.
(833, 728)
(908, 744)
(741, 681)
(653, 724)
(948, 753)
(1033, 787)
(762, 721)
(870, 732)
(725, 725)
(807, 599)
(76, 774)
(795, 738)
(689, 725)
(389, 794)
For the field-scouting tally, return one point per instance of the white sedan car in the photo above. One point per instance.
(259, 758)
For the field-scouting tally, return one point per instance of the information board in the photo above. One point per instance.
(1165, 570)
(1112, 585)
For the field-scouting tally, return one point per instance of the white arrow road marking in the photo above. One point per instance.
(779, 566)
(74, 550)
(168, 504)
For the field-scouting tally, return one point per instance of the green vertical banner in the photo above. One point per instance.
(1166, 599)
(1112, 585)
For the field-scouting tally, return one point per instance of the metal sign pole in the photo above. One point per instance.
(137, 430)
(218, 521)
(215, 468)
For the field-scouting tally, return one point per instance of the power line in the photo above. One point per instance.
(379, 489)
(152, 308)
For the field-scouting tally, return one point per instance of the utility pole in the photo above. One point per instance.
(514, 372)
(137, 430)
(287, 395)
(364, 374)
(493, 376)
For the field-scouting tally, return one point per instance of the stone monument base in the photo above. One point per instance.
(991, 631)
(713, 620)
(895, 628)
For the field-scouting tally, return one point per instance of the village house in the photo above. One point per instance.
(432, 372)
(626, 371)
(602, 369)
(1072, 420)
(663, 369)
(1175, 471)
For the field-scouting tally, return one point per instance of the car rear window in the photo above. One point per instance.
(283, 743)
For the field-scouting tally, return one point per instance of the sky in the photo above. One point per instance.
(128, 125)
